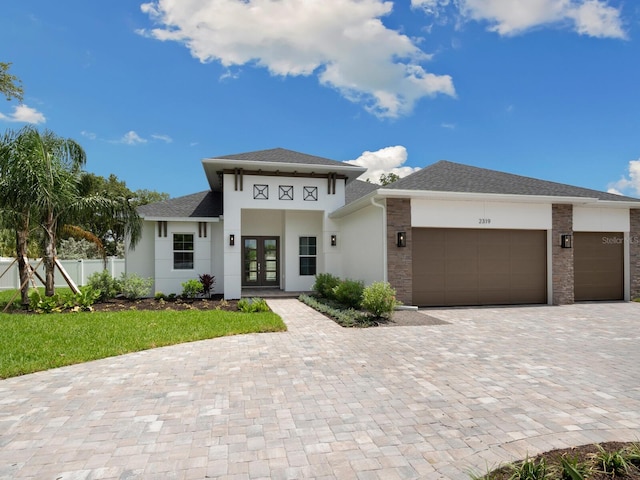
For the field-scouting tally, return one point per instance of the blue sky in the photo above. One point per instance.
(543, 88)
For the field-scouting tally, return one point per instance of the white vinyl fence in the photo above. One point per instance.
(78, 270)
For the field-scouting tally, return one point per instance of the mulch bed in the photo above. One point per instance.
(583, 453)
(120, 304)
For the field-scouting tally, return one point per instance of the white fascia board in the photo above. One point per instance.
(487, 197)
(181, 219)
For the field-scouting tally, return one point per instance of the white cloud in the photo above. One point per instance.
(449, 126)
(163, 138)
(132, 138)
(24, 114)
(89, 135)
(386, 160)
(628, 185)
(351, 51)
(594, 18)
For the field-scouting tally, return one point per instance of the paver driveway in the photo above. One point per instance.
(320, 401)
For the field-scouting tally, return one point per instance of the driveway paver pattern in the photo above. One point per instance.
(320, 401)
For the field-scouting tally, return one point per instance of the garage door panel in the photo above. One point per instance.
(478, 267)
(598, 266)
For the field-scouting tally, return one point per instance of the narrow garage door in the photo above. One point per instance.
(598, 259)
(479, 267)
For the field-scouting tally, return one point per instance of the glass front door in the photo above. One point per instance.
(260, 262)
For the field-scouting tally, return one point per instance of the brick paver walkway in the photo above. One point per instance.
(320, 401)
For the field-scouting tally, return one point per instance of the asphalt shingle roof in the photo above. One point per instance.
(282, 155)
(357, 189)
(202, 205)
(445, 176)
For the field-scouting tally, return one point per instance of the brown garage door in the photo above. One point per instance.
(598, 259)
(479, 267)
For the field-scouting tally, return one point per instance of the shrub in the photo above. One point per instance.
(134, 286)
(344, 318)
(159, 296)
(379, 299)
(207, 281)
(253, 305)
(349, 293)
(104, 283)
(325, 283)
(40, 304)
(84, 299)
(191, 288)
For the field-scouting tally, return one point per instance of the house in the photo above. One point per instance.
(448, 234)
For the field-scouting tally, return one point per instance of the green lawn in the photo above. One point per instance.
(30, 343)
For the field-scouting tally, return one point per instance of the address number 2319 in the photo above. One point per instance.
(484, 221)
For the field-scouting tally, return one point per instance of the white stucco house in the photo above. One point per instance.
(449, 234)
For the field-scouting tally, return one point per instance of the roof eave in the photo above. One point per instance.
(466, 196)
(213, 165)
(156, 218)
(500, 197)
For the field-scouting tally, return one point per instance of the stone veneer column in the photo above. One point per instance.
(399, 259)
(634, 252)
(562, 258)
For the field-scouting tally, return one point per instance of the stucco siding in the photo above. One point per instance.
(362, 245)
(300, 224)
(168, 279)
(594, 219)
(477, 214)
(141, 259)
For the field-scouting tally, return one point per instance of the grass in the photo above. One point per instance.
(31, 343)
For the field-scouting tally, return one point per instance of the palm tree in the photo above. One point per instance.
(50, 167)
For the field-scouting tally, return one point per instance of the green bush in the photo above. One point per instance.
(159, 296)
(191, 288)
(344, 318)
(84, 299)
(349, 293)
(253, 305)
(324, 284)
(134, 286)
(104, 283)
(379, 299)
(41, 304)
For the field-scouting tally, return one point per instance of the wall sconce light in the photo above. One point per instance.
(566, 241)
(334, 240)
(232, 240)
(402, 239)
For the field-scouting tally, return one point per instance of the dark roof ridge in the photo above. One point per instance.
(283, 155)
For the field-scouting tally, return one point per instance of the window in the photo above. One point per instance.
(183, 251)
(307, 255)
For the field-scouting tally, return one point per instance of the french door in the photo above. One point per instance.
(260, 262)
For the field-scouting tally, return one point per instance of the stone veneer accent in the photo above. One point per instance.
(562, 258)
(399, 259)
(634, 252)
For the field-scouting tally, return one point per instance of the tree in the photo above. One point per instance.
(10, 85)
(112, 230)
(49, 168)
(387, 178)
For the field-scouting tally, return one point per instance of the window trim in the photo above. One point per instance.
(307, 255)
(192, 251)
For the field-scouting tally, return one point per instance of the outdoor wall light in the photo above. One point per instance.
(402, 239)
(566, 241)
(232, 240)
(334, 240)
